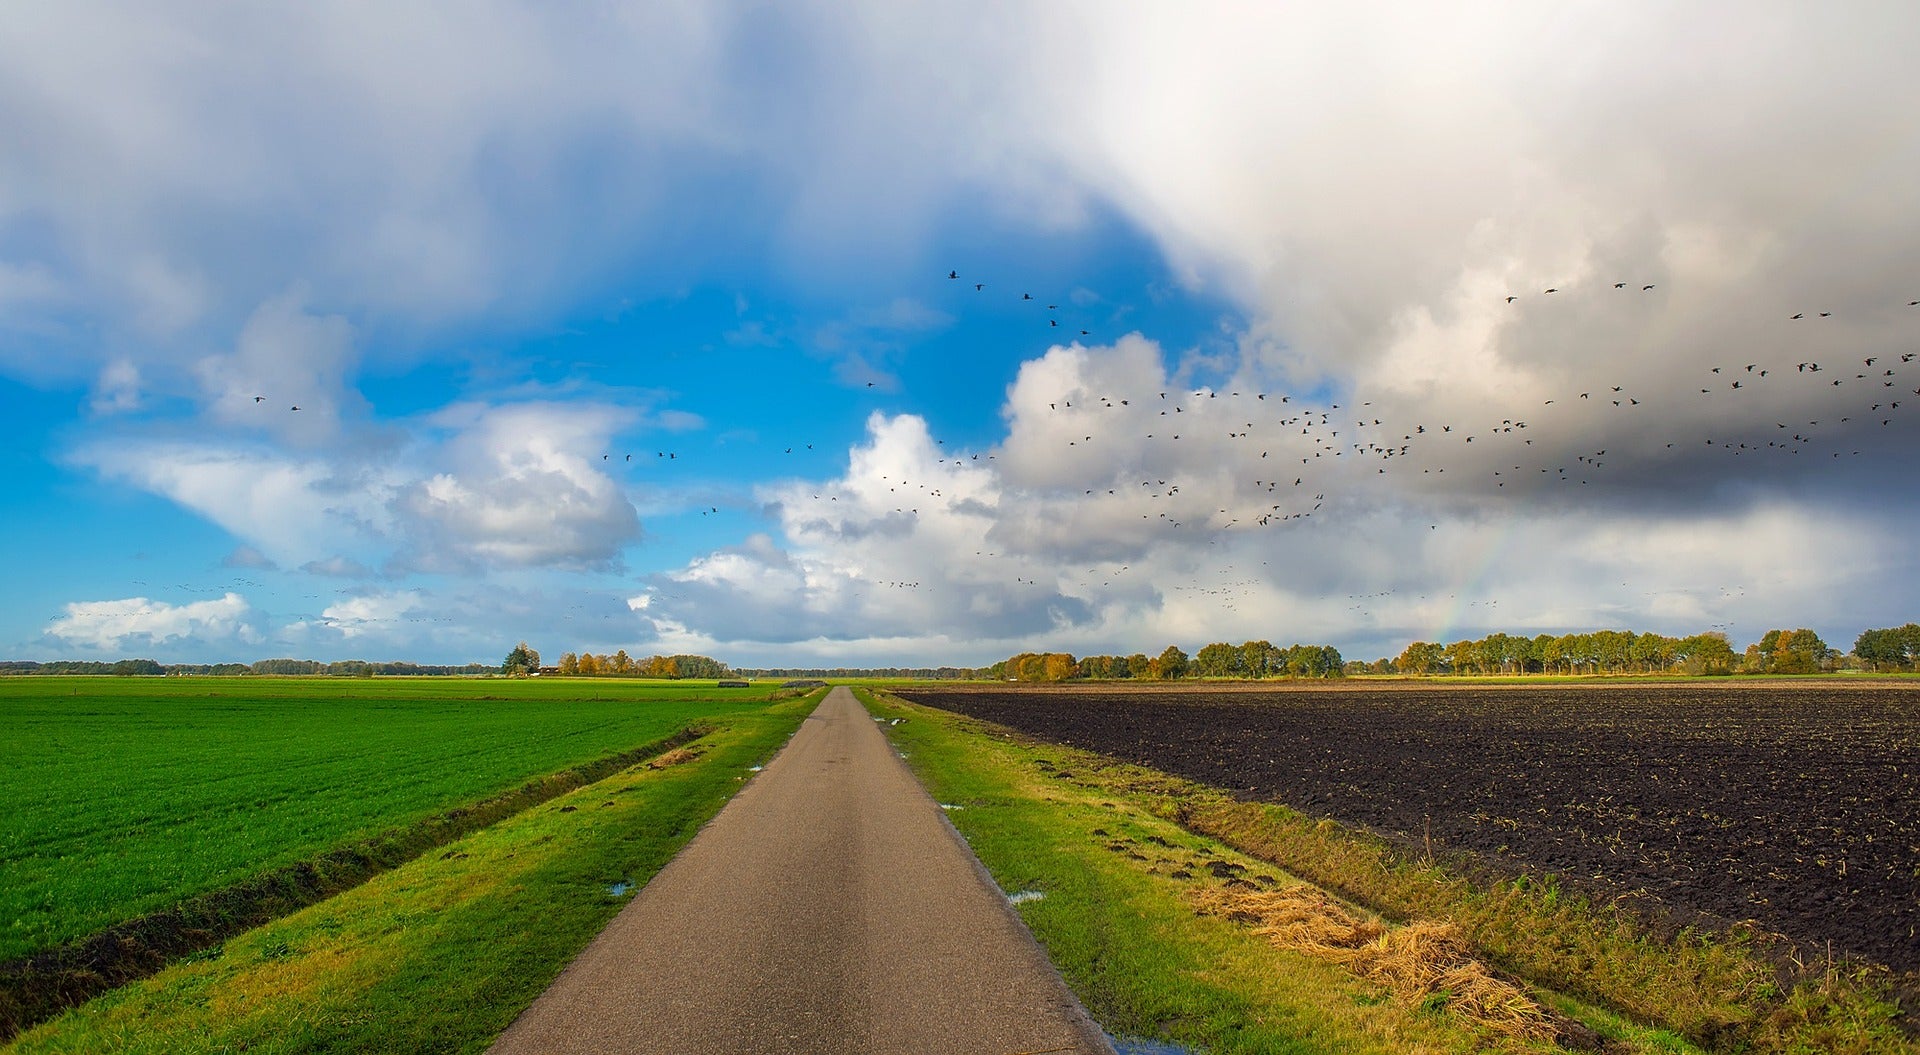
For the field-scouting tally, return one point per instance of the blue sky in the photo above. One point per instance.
(491, 252)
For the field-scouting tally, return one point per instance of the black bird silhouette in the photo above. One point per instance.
(259, 399)
(953, 274)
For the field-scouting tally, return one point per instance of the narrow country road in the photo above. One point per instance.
(829, 908)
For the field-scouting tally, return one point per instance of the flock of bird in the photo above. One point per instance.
(1272, 458)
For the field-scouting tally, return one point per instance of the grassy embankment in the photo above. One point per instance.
(1135, 865)
(146, 818)
(439, 954)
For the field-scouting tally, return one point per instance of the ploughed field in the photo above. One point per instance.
(1795, 807)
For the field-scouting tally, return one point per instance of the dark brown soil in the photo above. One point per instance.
(1794, 807)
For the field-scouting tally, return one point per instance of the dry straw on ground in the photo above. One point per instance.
(1422, 959)
(673, 758)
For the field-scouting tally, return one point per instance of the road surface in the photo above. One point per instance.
(829, 908)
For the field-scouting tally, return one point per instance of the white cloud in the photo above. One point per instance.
(376, 615)
(118, 388)
(979, 554)
(291, 509)
(138, 622)
(338, 567)
(522, 489)
(247, 557)
(288, 375)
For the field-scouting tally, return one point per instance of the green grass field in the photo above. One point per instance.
(124, 795)
(441, 953)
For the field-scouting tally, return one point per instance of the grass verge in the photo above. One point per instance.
(1136, 866)
(441, 953)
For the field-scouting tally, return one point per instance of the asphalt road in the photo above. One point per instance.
(829, 908)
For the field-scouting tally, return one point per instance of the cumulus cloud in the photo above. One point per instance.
(1084, 530)
(369, 615)
(288, 375)
(291, 509)
(442, 174)
(522, 489)
(134, 623)
(479, 486)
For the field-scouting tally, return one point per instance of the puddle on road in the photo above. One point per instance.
(619, 888)
(1142, 1046)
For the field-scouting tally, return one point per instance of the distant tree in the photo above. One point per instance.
(286, 666)
(1709, 653)
(1420, 657)
(521, 660)
(1219, 660)
(1892, 648)
(138, 666)
(689, 666)
(1651, 652)
(569, 663)
(1256, 658)
(1057, 666)
(1170, 664)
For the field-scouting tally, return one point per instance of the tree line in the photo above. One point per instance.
(914, 673)
(1799, 651)
(1599, 652)
(1253, 659)
(1894, 648)
(621, 665)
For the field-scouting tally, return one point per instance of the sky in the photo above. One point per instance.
(706, 327)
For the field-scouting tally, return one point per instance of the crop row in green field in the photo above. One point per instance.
(124, 796)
